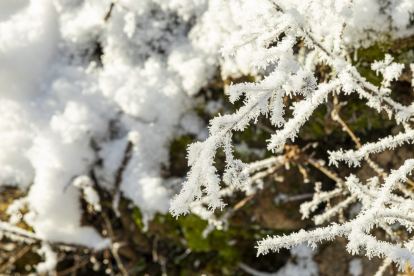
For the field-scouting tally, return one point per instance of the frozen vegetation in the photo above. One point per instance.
(93, 92)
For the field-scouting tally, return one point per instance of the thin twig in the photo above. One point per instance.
(336, 117)
(108, 14)
(14, 258)
(154, 249)
(242, 202)
(121, 169)
(73, 268)
(265, 128)
(114, 250)
(360, 81)
(332, 175)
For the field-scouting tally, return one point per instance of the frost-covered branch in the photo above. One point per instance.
(353, 157)
(302, 111)
(327, 215)
(350, 77)
(356, 230)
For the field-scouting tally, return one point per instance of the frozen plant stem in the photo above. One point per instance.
(271, 44)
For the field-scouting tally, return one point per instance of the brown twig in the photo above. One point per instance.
(14, 258)
(114, 250)
(410, 182)
(108, 14)
(121, 169)
(242, 202)
(73, 268)
(111, 7)
(336, 117)
(332, 175)
(371, 163)
(265, 128)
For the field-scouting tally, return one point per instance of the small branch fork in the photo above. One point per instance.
(335, 116)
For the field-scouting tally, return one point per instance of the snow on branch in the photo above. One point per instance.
(302, 111)
(318, 198)
(357, 229)
(269, 36)
(353, 157)
(201, 154)
(351, 78)
(99, 92)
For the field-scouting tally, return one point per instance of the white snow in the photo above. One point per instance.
(355, 267)
(79, 83)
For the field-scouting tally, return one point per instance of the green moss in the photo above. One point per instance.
(399, 50)
(375, 52)
(139, 265)
(192, 228)
(226, 247)
(137, 217)
(186, 272)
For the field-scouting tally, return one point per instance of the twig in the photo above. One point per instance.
(118, 177)
(14, 232)
(360, 81)
(336, 117)
(111, 7)
(14, 258)
(121, 169)
(108, 14)
(114, 250)
(73, 268)
(154, 249)
(327, 172)
(243, 202)
(410, 182)
(265, 128)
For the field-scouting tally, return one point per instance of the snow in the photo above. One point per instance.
(59, 97)
(327, 29)
(355, 267)
(51, 259)
(81, 81)
(90, 195)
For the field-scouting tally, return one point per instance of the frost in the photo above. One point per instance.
(93, 93)
(268, 32)
(302, 265)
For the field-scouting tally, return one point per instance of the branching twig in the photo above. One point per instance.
(14, 258)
